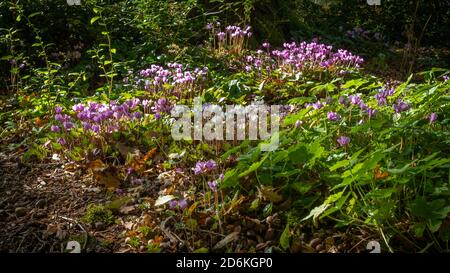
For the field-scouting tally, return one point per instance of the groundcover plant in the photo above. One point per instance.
(250, 127)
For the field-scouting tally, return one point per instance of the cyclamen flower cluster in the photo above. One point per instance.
(99, 117)
(232, 38)
(176, 75)
(205, 166)
(162, 105)
(305, 56)
(383, 95)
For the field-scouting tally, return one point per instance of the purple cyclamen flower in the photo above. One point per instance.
(213, 186)
(62, 141)
(67, 125)
(355, 99)
(317, 105)
(78, 107)
(371, 112)
(173, 204)
(58, 109)
(433, 117)
(333, 116)
(400, 106)
(342, 101)
(221, 35)
(182, 204)
(95, 128)
(343, 140)
(445, 77)
(54, 128)
(203, 167)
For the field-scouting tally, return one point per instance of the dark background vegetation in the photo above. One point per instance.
(142, 29)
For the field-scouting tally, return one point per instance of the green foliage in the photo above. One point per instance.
(98, 214)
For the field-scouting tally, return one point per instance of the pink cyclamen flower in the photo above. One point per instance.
(62, 141)
(343, 140)
(333, 116)
(54, 128)
(433, 117)
(182, 204)
(213, 186)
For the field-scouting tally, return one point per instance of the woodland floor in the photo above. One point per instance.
(42, 205)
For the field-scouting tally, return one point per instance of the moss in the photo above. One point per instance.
(98, 213)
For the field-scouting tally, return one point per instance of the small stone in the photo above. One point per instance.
(99, 225)
(20, 211)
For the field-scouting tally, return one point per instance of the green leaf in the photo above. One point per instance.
(94, 19)
(254, 166)
(285, 238)
(339, 164)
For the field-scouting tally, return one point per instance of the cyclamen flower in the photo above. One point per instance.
(62, 141)
(371, 112)
(445, 77)
(317, 105)
(181, 204)
(173, 204)
(67, 125)
(213, 186)
(400, 106)
(354, 99)
(433, 117)
(333, 116)
(383, 95)
(58, 109)
(54, 128)
(78, 107)
(203, 167)
(343, 140)
(221, 36)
